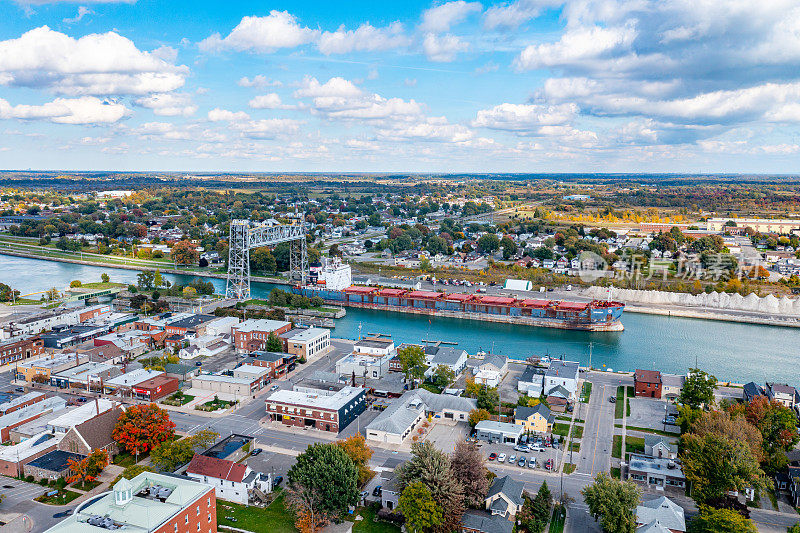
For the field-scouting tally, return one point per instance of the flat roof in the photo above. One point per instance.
(500, 427)
(24, 413)
(260, 324)
(133, 377)
(224, 379)
(319, 399)
(252, 369)
(82, 414)
(424, 294)
(86, 369)
(5, 406)
(310, 334)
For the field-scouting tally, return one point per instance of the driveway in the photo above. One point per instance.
(444, 436)
(649, 413)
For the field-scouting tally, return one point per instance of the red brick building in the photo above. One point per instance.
(647, 383)
(252, 335)
(155, 388)
(19, 349)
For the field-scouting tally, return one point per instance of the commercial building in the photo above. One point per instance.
(35, 324)
(88, 376)
(761, 225)
(148, 503)
(52, 465)
(79, 415)
(227, 384)
(47, 365)
(20, 348)
(21, 401)
(277, 362)
(64, 338)
(403, 415)
(656, 471)
(647, 383)
(142, 384)
(502, 432)
(27, 414)
(330, 408)
(192, 325)
(233, 482)
(364, 365)
(131, 343)
(122, 384)
(309, 343)
(256, 374)
(252, 334)
(14, 458)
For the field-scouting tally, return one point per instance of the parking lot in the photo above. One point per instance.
(649, 413)
(444, 437)
(509, 452)
(277, 464)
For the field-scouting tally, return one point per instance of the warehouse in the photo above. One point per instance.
(503, 432)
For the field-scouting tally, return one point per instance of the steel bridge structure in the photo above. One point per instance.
(246, 235)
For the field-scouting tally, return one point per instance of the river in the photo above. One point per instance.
(732, 351)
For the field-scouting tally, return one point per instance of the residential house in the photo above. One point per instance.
(491, 370)
(453, 358)
(662, 511)
(647, 383)
(234, 482)
(478, 522)
(660, 446)
(785, 394)
(671, 385)
(536, 419)
(752, 390)
(505, 497)
(562, 374)
(531, 382)
(205, 346)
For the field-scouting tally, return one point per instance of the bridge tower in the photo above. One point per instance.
(245, 235)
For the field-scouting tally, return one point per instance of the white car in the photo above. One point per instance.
(512, 459)
(501, 458)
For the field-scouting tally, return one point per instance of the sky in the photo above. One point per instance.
(318, 86)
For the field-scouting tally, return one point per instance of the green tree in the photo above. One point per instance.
(75, 283)
(613, 502)
(189, 292)
(477, 415)
(721, 521)
(420, 510)
(793, 529)
(509, 247)
(327, 471)
(698, 389)
(158, 280)
(274, 343)
(104, 277)
(171, 454)
(488, 243)
(412, 361)
(716, 464)
(443, 376)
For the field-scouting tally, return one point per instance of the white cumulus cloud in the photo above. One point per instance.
(443, 48)
(441, 18)
(365, 38)
(279, 29)
(84, 110)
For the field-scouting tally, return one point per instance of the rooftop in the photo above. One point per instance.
(82, 414)
(15, 418)
(668, 513)
(133, 377)
(205, 465)
(320, 399)
(647, 376)
(309, 334)
(567, 369)
(655, 465)
(260, 324)
(55, 461)
(192, 321)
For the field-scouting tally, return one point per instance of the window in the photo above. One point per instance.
(186, 519)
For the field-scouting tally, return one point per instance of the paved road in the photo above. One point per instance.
(598, 431)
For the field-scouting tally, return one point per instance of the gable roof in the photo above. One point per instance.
(525, 412)
(509, 487)
(647, 376)
(559, 392)
(96, 432)
(663, 510)
(217, 468)
(652, 527)
(498, 361)
(486, 523)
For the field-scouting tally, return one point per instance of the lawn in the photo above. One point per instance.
(63, 497)
(560, 429)
(619, 406)
(370, 522)
(577, 431)
(575, 446)
(124, 459)
(274, 519)
(213, 405)
(634, 444)
(101, 285)
(557, 521)
(587, 391)
(86, 486)
(616, 447)
(569, 468)
(176, 400)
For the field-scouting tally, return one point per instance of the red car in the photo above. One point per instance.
(549, 464)
(492, 456)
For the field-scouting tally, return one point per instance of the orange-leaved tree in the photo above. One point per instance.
(88, 468)
(142, 427)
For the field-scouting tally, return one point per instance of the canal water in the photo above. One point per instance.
(732, 351)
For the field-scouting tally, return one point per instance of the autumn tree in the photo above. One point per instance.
(184, 253)
(88, 468)
(477, 415)
(613, 502)
(419, 508)
(731, 424)
(698, 389)
(356, 449)
(170, 454)
(432, 467)
(469, 468)
(777, 425)
(142, 427)
(711, 520)
(305, 503)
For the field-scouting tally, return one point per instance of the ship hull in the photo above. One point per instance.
(606, 318)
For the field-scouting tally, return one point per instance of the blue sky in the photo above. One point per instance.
(459, 86)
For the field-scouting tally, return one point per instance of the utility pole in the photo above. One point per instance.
(590, 355)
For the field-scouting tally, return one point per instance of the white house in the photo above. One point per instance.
(564, 374)
(453, 358)
(206, 346)
(235, 482)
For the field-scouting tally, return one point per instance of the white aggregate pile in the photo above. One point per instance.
(768, 304)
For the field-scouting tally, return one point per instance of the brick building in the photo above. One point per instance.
(278, 363)
(252, 335)
(94, 434)
(647, 383)
(329, 407)
(20, 349)
(148, 503)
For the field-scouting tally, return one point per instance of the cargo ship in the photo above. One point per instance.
(332, 281)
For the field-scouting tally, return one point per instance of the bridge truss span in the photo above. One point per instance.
(246, 235)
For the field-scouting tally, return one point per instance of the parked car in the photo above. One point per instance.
(537, 449)
(256, 452)
(492, 456)
(669, 420)
(377, 491)
(532, 462)
(274, 387)
(501, 458)
(522, 461)
(548, 464)
(278, 480)
(198, 363)
(512, 459)
(19, 389)
(521, 448)
(62, 514)
(612, 399)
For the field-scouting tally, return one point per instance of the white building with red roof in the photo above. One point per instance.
(235, 482)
